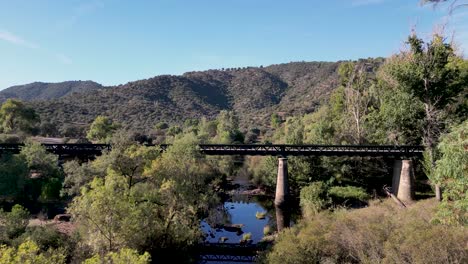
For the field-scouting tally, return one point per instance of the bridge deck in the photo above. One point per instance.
(228, 252)
(246, 149)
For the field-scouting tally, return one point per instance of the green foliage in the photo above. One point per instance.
(161, 125)
(39, 160)
(378, 234)
(29, 253)
(452, 172)
(14, 223)
(16, 117)
(145, 201)
(275, 120)
(101, 129)
(123, 256)
(313, 198)
(349, 192)
(13, 177)
(44, 166)
(10, 138)
(174, 130)
(45, 237)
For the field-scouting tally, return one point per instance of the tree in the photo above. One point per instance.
(455, 4)
(398, 116)
(29, 253)
(430, 72)
(145, 201)
(357, 98)
(228, 128)
(13, 177)
(14, 223)
(44, 167)
(123, 256)
(275, 120)
(101, 129)
(452, 172)
(16, 117)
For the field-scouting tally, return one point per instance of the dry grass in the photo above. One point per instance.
(380, 233)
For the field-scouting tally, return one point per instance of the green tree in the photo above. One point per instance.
(452, 172)
(123, 256)
(430, 72)
(14, 223)
(16, 117)
(30, 253)
(145, 201)
(228, 128)
(101, 129)
(275, 120)
(14, 174)
(44, 170)
(357, 99)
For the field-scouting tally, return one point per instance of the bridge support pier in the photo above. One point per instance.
(403, 180)
(282, 186)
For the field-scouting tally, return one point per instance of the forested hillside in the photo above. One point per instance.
(40, 90)
(253, 93)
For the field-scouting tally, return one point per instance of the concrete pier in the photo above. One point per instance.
(282, 186)
(403, 180)
(283, 218)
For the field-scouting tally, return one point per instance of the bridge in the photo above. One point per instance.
(402, 183)
(282, 150)
(228, 252)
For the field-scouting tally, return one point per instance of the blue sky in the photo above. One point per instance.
(116, 41)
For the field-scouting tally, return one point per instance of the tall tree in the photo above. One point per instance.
(357, 97)
(429, 72)
(101, 129)
(452, 172)
(16, 117)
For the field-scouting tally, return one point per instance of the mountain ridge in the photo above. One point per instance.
(253, 93)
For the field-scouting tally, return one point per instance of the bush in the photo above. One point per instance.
(14, 223)
(377, 234)
(314, 198)
(10, 138)
(123, 256)
(43, 236)
(348, 195)
(29, 252)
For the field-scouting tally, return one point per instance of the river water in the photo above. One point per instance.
(239, 215)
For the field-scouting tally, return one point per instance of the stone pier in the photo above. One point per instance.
(282, 186)
(403, 180)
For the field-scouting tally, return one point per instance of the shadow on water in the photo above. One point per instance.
(242, 215)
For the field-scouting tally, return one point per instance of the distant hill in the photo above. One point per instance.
(40, 90)
(254, 93)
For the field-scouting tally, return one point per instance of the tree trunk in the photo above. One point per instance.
(438, 192)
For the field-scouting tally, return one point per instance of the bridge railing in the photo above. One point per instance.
(247, 149)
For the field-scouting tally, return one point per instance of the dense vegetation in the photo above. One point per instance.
(39, 90)
(252, 93)
(135, 203)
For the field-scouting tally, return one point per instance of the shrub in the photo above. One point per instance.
(348, 194)
(376, 234)
(29, 252)
(14, 223)
(123, 256)
(267, 230)
(314, 198)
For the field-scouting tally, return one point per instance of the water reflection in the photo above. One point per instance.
(283, 218)
(234, 220)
